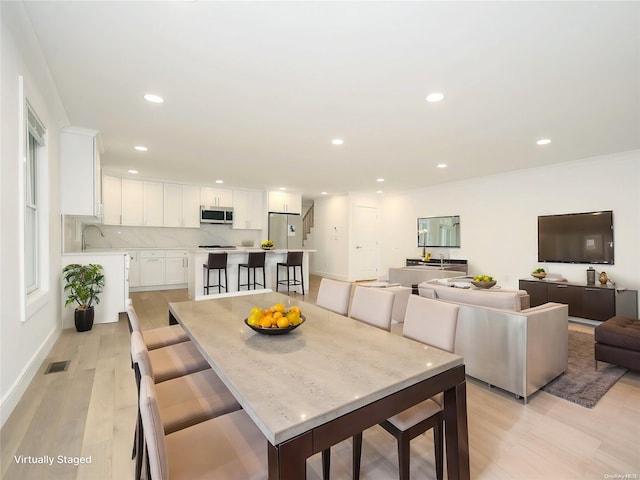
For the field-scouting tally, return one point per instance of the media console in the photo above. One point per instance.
(592, 301)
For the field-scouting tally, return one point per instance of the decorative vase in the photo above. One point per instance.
(84, 319)
(604, 278)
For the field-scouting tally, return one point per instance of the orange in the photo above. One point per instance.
(278, 307)
(277, 315)
(283, 322)
(295, 309)
(293, 318)
(256, 311)
(265, 322)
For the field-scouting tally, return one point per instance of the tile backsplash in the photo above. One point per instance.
(151, 237)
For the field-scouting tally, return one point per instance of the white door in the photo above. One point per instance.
(365, 243)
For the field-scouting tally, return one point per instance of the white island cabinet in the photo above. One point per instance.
(113, 299)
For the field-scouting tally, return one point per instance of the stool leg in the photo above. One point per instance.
(239, 270)
(302, 279)
(226, 281)
(288, 281)
(219, 287)
(264, 279)
(277, 277)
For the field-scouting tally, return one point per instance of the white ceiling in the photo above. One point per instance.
(254, 92)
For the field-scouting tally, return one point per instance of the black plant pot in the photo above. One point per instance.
(84, 319)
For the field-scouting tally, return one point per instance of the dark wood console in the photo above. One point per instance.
(592, 301)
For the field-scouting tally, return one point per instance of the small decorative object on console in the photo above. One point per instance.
(539, 273)
(483, 281)
(603, 278)
(267, 245)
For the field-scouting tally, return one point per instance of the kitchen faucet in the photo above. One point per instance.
(84, 239)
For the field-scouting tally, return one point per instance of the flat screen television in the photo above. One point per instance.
(576, 238)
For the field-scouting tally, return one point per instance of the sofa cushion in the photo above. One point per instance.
(493, 299)
(623, 332)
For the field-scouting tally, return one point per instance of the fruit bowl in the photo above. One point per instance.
(274, 330)
(539, 275)
(484, 284)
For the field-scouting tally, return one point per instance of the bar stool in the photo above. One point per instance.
(215, 261)
(294, 259)
(256, 260)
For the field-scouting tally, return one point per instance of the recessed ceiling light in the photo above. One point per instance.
(150, 97)
(323, 193)
(133, 171)
(435, 97)
(283, 188)
(140, 148)
(544, 141)
(379, 179)
(442, 165)
(337, 141)
(219, 181)
(379, 191)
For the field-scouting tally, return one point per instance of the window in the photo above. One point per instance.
(35, 141)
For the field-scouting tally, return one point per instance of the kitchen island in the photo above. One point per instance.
(236, 256)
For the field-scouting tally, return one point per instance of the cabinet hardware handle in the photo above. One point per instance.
(562, 286)
(591, 290)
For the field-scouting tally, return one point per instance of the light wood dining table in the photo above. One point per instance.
(328, 379)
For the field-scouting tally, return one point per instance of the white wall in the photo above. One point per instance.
(498, 216)
(25, 344)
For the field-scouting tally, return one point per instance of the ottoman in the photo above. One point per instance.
(618, 342)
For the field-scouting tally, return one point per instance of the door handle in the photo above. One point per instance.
(358, 246)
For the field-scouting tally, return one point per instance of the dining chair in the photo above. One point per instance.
(183, 401)
(156, 337)
(334, 296)
(373, 306)
(433, 323)
(228, 447)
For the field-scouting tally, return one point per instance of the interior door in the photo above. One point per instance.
(365, 243)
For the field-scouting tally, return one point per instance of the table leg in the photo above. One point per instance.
(288, 461)
(456, 433)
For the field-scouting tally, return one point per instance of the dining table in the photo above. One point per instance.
(325, 381)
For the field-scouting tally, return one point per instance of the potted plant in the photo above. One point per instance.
(84, 283)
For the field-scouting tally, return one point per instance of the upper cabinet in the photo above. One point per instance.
(181, 205)
(285, 202)
(112, 200)
(248, 210)
(142, 203)
(216, 197)
(80, 180)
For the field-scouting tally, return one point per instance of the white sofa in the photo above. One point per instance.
(518, 350)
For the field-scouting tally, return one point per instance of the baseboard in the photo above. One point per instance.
(151, 288)
(11, 398)
(342, 278)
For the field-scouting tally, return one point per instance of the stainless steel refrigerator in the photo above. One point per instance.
(285, 230)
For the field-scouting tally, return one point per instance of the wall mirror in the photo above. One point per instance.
(439, 231)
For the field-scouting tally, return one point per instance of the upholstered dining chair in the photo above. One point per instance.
(228, 447)
(156, 337)
(434, 323)
(183, 401)
(373, 306)
(334, 295)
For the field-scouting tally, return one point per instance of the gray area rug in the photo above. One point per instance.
(582, 383)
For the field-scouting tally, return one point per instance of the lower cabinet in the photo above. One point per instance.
(176, 267)
(158, 268)
(585, 301)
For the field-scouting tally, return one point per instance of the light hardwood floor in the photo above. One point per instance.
(90, 410)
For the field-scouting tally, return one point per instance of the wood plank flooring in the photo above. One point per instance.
(90, 410)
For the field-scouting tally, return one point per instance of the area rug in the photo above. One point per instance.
(582, 383)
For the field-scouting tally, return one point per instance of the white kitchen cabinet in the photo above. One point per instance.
(176, 267)
(112, 200)
(248, 210)
(80, 178)
(216, 197)
(134, 268)
(152, 268)
(181, 205)
(285, 202)
(142, 203)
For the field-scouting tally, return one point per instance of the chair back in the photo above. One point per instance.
(373, 306)
(153, 430)
(256, 259)
(432, 322)
(294, 259)
(334, 296)
(140, 355)
(134, 322)
(217, 260)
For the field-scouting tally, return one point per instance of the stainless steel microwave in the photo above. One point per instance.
(216, 215)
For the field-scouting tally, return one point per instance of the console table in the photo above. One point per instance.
(592, 301)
